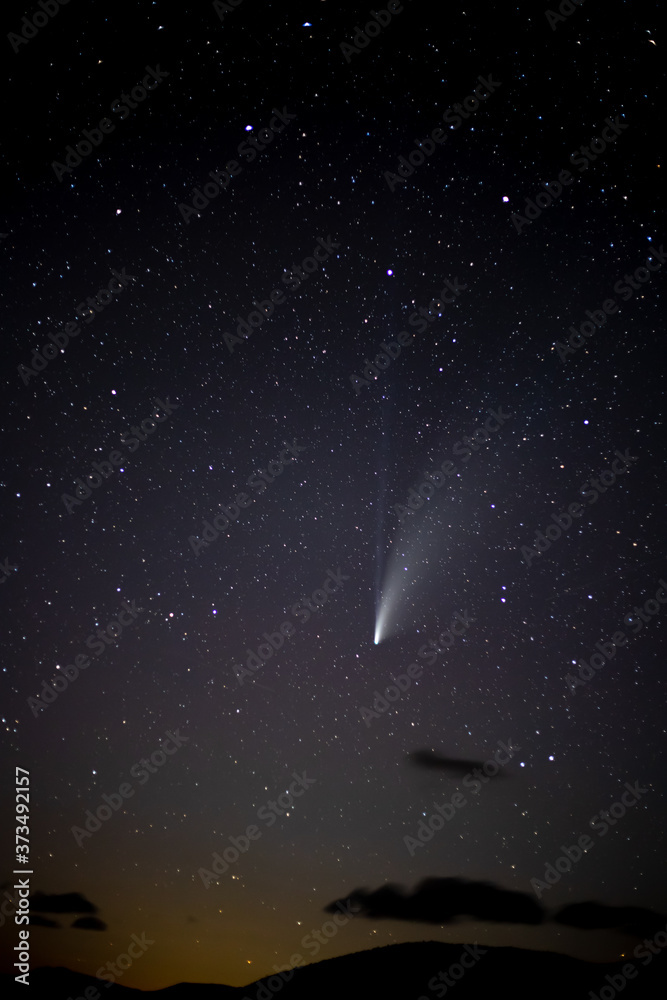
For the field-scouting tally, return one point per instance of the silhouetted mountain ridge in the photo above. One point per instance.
(397, 972)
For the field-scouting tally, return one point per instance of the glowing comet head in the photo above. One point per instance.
(381, 621)
(403, 572)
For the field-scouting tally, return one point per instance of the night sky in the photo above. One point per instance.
(308, 458)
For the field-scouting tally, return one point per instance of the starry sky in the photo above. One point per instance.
(348, 445)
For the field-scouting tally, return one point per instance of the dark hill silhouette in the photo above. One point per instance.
(396, 972)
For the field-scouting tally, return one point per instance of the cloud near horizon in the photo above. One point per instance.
(447, 900)
(66, 902)
(89, 924)
(444, 900)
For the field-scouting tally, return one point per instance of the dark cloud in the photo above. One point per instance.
(435, 761)
(37, 921)
(89, 924)
(444, 900)
(597, 916)
(67, 902)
